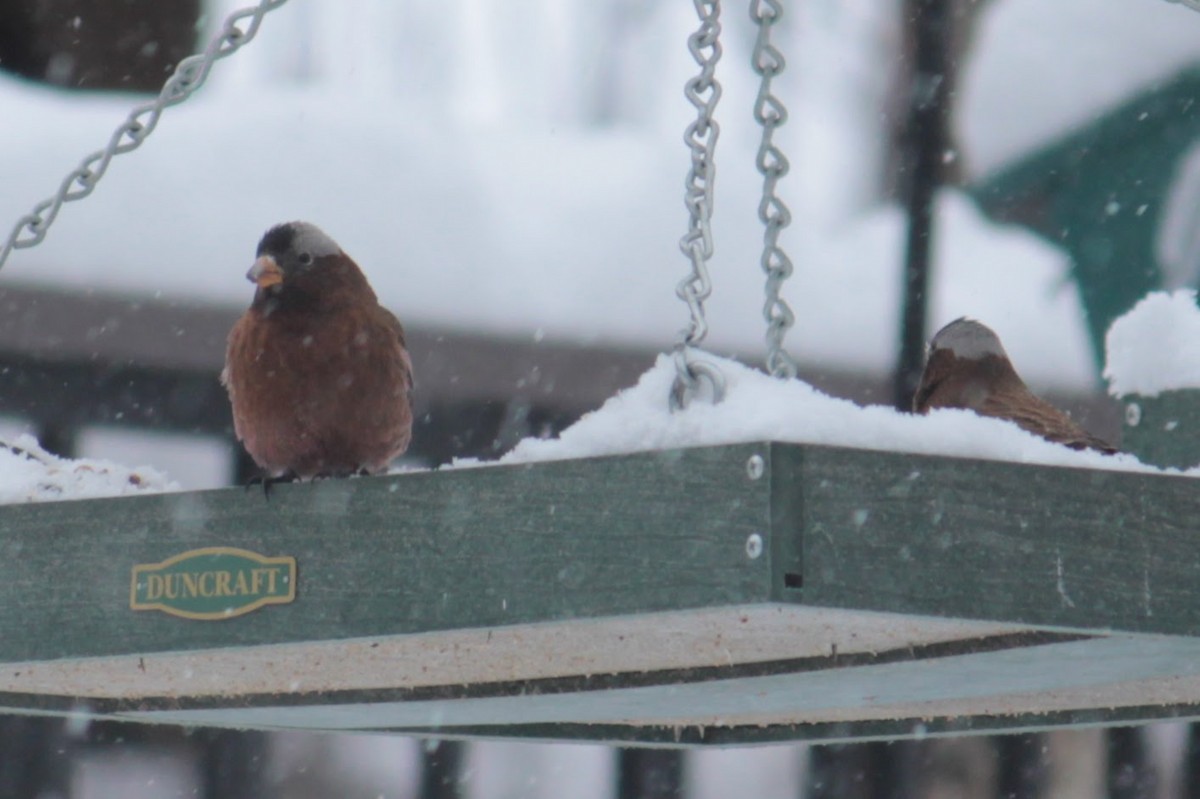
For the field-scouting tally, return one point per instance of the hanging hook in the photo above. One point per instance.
(691, 376)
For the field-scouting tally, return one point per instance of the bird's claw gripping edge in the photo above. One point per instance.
(268, 483)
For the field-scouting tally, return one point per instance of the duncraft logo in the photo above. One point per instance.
(213, 583)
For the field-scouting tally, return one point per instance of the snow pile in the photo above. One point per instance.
(30, 474)
(1155, 347)
(757, 407)
(1039, 70)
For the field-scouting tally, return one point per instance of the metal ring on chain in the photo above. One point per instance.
(703, 91)
(770, 113)
(691, 376)
(189, 75)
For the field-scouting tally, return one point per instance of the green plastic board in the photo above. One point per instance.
(731, 594)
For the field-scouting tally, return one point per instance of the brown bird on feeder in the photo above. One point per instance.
(317, 370)
(967, 367)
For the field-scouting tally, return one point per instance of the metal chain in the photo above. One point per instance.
(189, 75)
(775, 216)
(703, 91)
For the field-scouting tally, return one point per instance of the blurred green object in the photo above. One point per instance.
(1120, 195)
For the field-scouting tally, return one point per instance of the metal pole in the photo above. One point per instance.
(35, 757)
(649, 774)
(1191, 761)
(233, 764)
(872, 770)
(838, 771)
(926, 140)
(1131, 773)
(1020, 766)
(442, 770)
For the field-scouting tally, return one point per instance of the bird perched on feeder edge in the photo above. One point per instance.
(317, 370)
(967, 367)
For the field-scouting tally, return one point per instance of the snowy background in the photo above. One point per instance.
(517, 169)
(542, 194)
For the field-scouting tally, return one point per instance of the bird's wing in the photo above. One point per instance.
(233, 343)
(394, 325)
(920, 402)
(234, 346)
(1039, 417)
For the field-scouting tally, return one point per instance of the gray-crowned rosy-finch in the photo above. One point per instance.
(317, 369)
(967, 367)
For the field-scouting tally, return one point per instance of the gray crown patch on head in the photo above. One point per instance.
(311, 239)
(967, 338)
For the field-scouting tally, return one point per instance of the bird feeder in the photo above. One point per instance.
(741, 593)
(732, 594)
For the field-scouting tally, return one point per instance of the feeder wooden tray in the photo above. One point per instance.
(723, 595)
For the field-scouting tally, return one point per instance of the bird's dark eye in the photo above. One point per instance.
(305, 258)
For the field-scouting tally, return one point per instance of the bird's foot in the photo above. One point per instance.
(268, 483)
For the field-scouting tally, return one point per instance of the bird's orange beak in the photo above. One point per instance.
(265, 272)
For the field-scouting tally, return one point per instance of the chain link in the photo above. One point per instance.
(703, 92)
(770, 113)
(189, 75)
